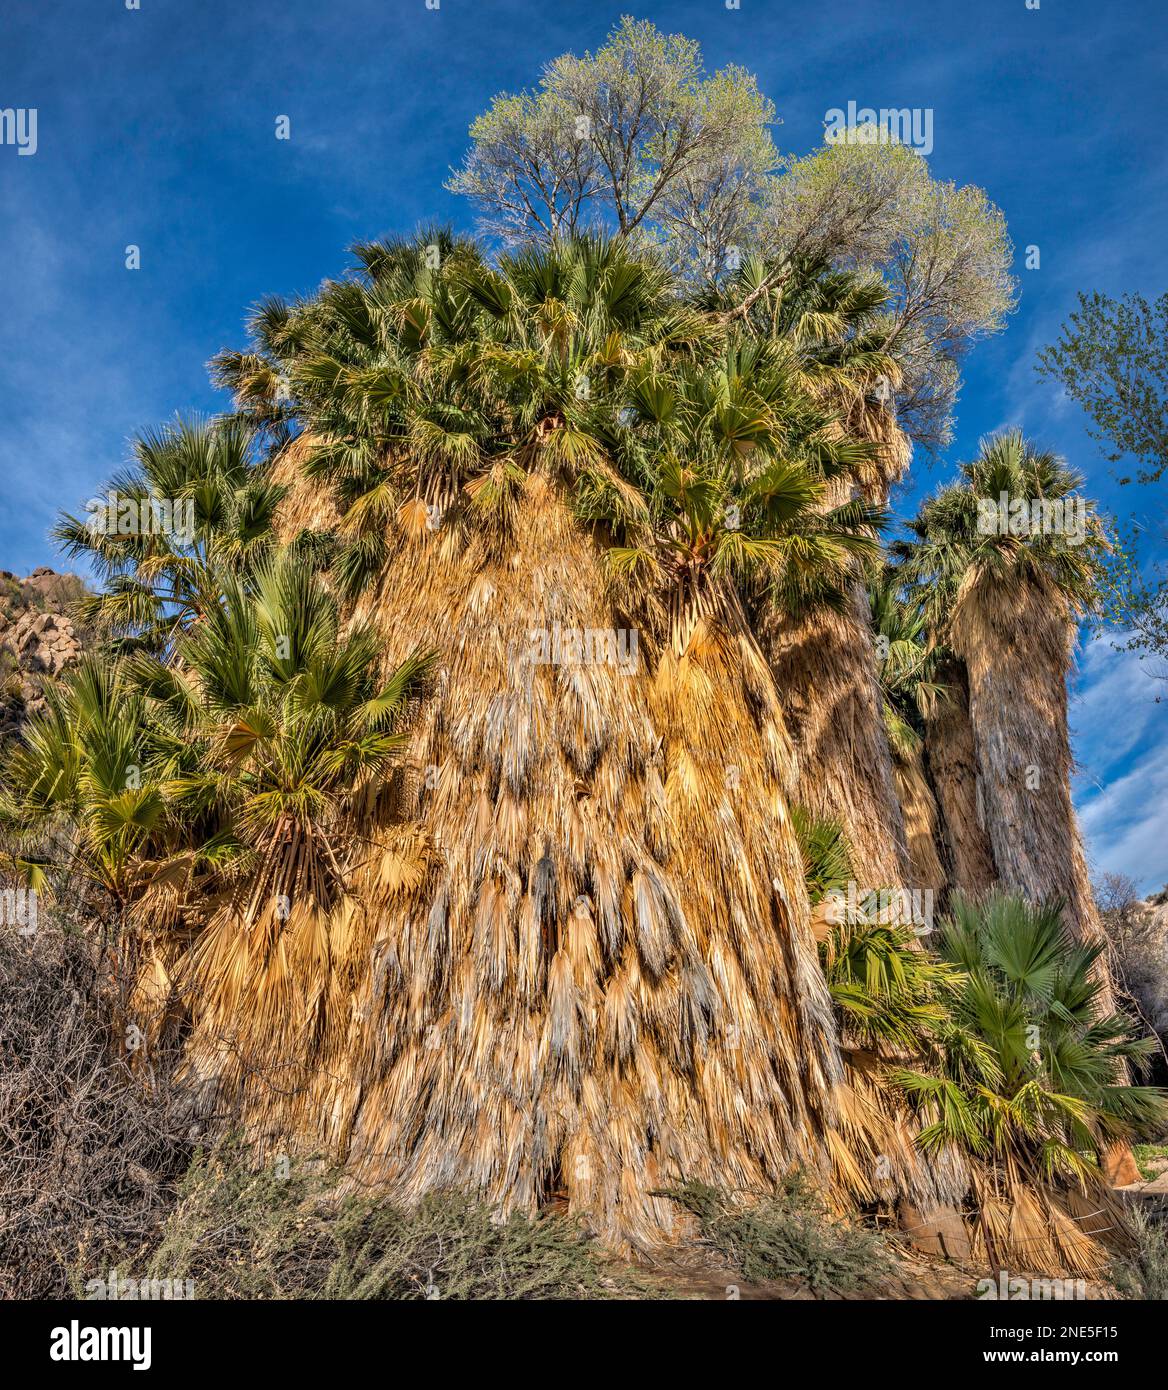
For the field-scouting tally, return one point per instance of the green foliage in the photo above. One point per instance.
(788, 1235)
(1015, 1064)
(290, 722)
(433, 382)
(942, 251)
(887, 991)
(238, 753)
(1151, 1159)
(827, 856)
(635, 138)
(1134, 598)
(950, 547)
(1143, 1274)
(83, 785)
(735, 458)
(1112, 359)
(908, 660)
(162, 577)
(431, 390)
(1026, 1068)
(241, 1232)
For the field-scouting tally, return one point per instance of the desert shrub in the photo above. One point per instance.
(1143, 1272)
(284, 1230)
(788, 1234)
(90, 1154)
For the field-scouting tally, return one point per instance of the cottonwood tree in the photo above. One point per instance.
(943, 252)
(634, 138)
(1111, 358)
(1135, 599)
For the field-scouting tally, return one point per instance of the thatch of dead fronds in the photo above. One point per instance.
(874, 421)
(1016, 640)
(1008, 600)
(824, 668)
(303, 508)
(1064, 1231)
(825, 674)
(874, 1148)
(951, 760)
(576, 956)
(921, 818)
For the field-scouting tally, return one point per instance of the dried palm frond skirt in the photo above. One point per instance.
(575, 956)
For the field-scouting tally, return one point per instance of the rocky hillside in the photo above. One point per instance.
(1147, 959)
(38, 638)
(1137, 935)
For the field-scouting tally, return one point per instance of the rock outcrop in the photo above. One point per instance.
(38, 640)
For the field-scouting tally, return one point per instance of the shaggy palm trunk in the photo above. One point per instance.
(1016, 641)
(951, 765)
(577, 958)
(921, 820)
(825, 671)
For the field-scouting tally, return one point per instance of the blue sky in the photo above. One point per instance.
(156, 127)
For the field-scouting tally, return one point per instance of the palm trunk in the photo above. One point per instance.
(825, 671)
(921, 821)
(951, 764)
(1016, 642)
(582, 963)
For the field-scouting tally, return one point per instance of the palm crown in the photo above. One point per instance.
(952, 554)
(226, 766)
(198, 503)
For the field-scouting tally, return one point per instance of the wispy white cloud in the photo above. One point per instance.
(1120, 741)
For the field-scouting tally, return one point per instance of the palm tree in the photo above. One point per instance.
(1026, 1082)
(822, 655)
(1006, 604)
(211, 795)
(297, 740)
(908, 663)
(600, 896)
(82, 788)
(430, 382)
(736, 461)
(891, 998)
(194, 503)
(952, 769)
